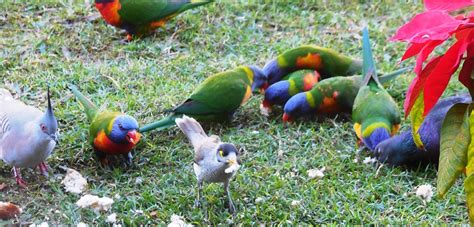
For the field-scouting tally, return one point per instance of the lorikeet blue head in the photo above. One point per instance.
(259, 79)
(277, 94)
(398, 150)
(124, 130)
(296, 106)
(378, 135)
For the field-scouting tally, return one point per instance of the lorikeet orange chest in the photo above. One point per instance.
(140, 17)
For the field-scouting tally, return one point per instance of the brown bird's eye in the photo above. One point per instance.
(221, 153)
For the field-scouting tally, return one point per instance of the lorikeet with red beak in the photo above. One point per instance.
(110, 133)
(401, 149)
(326, 61)
(280, 92)
(375, 114)
(329, 96)
(216, 98)
(140, 17)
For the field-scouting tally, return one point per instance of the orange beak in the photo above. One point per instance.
(287, 118)
(133, 137)
(266, 104)
(264, 88)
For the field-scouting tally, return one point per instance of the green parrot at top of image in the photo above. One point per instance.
(375, 114)
(216, 98)
(141, 17)
(326, 61)
(110, 133)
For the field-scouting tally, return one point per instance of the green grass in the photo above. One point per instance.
(60, 42)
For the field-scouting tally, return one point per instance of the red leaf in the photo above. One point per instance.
(468, 68)
(417, 84)
(425, 52)
(448, 5)
(413, 50)
(439, 78)
(431, 25)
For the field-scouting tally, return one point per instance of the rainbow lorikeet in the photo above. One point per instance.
(401, 149)
(279, 92)
(217, 98)
(375, 114)
(326, 61)
(140, 17)
(110, 133)
(329, 96)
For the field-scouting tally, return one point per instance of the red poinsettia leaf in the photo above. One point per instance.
(468, 68)
(463, 33)
(424, 53)
(431, 25)
(417, 84)
(438, 79)
(413, 50)
(448, 5)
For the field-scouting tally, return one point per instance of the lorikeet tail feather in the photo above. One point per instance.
(89, 107)
(159, 125)
(368, 68)
(388, 77)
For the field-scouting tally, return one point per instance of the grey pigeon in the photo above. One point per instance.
(214, 161)
(27, 135)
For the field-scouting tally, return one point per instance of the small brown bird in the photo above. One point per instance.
(214, 161)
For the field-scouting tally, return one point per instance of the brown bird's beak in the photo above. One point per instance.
(133, 137)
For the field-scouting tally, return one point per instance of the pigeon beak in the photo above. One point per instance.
(133, 137)
(55, 138)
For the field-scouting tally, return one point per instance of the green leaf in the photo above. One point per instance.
(469, 190)
(416, 116)
(454, 143)
(470, 151)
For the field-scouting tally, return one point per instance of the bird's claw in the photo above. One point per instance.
(44, 169)
(20, 182)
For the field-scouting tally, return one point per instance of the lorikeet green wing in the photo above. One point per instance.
(110, 133)
(375, 114)
(326, 61)
(280, 92)
(329, 96)
(216, 98)
(139, 17)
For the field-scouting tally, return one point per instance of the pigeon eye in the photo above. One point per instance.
(43, 127)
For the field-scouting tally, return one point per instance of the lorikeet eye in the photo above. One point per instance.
(120, 126)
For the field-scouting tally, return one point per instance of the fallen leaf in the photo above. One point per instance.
(9, 210)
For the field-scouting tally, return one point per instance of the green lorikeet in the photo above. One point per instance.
(329, 96)
(279, 92)
(375, 114)
(110, 133)
(326, 61)
(140, 17)
(217, 98)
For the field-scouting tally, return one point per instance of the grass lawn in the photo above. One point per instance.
(60, 42)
